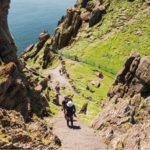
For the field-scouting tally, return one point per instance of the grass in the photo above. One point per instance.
(82, 74)
(112, 51)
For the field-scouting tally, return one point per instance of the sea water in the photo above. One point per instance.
(28, 18)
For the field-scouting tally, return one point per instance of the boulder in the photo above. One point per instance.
(97, 14)
(96, 83)
(143, 70)
(100, 75)
(84, 109)
(43, 36)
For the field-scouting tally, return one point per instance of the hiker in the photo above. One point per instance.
(70, 110)
(68, 76)
(57, 88)
(60, 58)
(63, 70)
(49, 77)
(64, 103)
(101, 2)
(56, 100)
(60, 71)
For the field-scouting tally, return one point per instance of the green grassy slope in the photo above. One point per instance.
(124, 28)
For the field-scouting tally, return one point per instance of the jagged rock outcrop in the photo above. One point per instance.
(134, 78)
(124, 123)
(7, 44)
(15, 90)
(15, 134)
(13, 93)
(67, 29)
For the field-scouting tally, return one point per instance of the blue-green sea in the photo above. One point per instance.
(27, 18)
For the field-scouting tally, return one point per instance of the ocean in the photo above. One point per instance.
(28, 18)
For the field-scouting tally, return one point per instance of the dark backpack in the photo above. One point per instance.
(70, 110)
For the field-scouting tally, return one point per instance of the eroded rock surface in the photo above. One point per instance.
(20, 102)
(13, 93)
(7, 44)
(124, 123)
(15, 134)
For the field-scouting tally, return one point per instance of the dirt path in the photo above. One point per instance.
(57, 78)
(78, 138)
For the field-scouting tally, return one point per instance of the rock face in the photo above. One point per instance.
(134, 78)
(19, 99)
(7, 44)
(15, 90)
(13, 93)
(67, 29)
(124, 123)
(15, 134)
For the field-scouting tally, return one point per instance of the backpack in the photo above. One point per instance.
(70, 110)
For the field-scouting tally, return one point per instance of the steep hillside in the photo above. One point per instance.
(81, 59)
(123, 28)
(124, 123)
(95, 37)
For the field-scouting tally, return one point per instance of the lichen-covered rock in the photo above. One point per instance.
(15, 134)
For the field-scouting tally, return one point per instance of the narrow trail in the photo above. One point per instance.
(57, 78)
(79, 137)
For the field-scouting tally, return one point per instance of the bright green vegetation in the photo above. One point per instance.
(116, 36)
(82, 74)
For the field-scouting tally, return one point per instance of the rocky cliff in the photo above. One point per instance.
(124, 123)
(20, 102)
(13, 81)
(7, 44)
(105, 32)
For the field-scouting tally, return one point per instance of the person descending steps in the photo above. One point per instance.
(69, 110)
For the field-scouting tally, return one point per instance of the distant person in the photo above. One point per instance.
(56, 100)
(101, 2)
(57, 88)
(60, 72)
